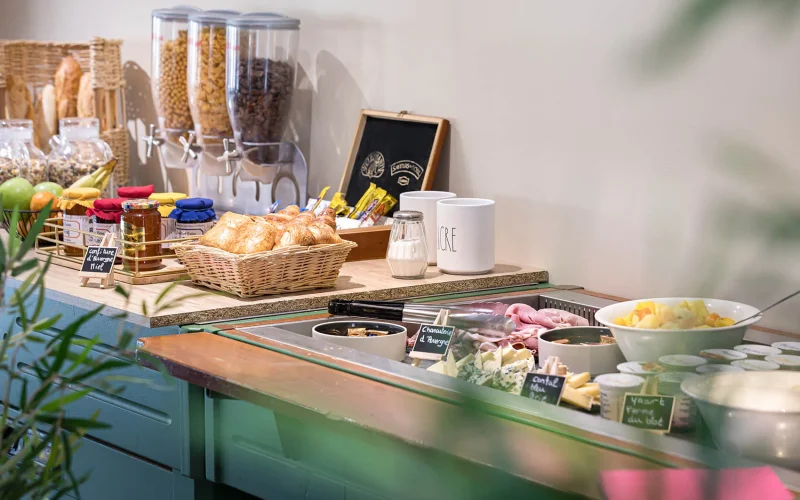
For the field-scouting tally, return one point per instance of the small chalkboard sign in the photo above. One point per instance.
(98, 262)
(648, 412)
(542, 387)
(398, 152)
(432, 342)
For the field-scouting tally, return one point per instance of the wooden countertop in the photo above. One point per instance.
(368, 279)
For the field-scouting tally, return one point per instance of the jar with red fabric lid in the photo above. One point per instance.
(136, 191)
(104, 218)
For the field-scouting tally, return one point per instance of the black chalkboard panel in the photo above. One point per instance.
(541, 387)
(98, 261)
(648, 412)
(397, 152)
(432, 342)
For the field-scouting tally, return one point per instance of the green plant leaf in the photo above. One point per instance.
(104, 366)
(24, 267)
(33, 232)
(13, 238)
(60, 403)
(73, 424)
(120, 290)
(79, 360)
(47, 323)
(166, 291)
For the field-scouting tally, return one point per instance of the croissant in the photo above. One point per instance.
(257, 236)
(296, 235)
(225, 232)
(304, 219)
(292, 210)
(323, 234)
(328, 221)
(327, 212)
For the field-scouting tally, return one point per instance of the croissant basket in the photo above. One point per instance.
(286, 270)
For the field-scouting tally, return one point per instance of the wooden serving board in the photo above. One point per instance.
(171, 270)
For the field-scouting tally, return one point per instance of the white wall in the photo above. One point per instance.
(607, 176)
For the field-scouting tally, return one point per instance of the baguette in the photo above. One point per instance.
(45, 121)
(18, 98)
(86, 108)
(68, 80)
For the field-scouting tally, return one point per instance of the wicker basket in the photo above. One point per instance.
(37, 62)
(287, 270)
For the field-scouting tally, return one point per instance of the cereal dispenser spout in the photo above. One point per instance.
(151, 140)
(187, 148)
(230, 156)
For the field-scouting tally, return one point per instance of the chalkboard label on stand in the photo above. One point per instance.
(541, 387)
(98, 261)
(432, 342)
(648, 412)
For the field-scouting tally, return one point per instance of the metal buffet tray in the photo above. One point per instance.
(695, 446)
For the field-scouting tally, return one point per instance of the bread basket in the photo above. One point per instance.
(286, 270)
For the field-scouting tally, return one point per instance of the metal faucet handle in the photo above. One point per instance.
(187, 148)
(151, 140)
(230, 155)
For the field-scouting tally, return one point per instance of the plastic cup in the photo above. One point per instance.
(685, 412)
(613, 387)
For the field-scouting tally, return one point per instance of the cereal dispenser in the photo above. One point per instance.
(261, 64)
(174, 136)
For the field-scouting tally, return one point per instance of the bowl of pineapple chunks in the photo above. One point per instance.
(648, 329)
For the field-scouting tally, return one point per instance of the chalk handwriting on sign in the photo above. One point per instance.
(432, 342)
(541, 387)
(98, 260)
(648, 412)
(447, 239)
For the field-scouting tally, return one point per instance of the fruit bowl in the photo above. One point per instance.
(26, 220)
(641, 344)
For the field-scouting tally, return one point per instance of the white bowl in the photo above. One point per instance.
(640, 344)
(753, 414)
(392, 345)
(595, 359)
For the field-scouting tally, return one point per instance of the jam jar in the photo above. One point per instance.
(140, 223)
(74, 202)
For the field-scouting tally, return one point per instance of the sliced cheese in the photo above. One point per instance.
(573, 397)
(438, 367)
(523, 354)
(479, 362)
(578, 380)
(509, 354)
(492, 362)
(469, 358)
(591, 390)
(450, 365)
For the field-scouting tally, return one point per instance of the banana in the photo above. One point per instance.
(99, 178)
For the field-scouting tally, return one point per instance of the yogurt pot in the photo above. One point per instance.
(722, 355)
(640, 368)
(681, 362)
(785, 361)
(703, 369)
(792, 348)
(684, 414)
(756, 365)
(613, 387)
(757, 351)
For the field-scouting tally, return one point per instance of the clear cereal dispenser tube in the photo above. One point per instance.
(206, 75)
(170, 37)
(262, 64)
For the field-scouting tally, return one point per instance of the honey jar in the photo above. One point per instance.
(140, 223)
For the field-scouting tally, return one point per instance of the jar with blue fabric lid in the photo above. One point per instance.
(193, 216)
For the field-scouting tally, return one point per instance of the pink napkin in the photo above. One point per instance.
(759, 483)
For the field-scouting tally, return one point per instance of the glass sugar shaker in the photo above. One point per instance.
(407, 254)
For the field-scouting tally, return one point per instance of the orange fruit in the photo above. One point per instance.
(41, 199)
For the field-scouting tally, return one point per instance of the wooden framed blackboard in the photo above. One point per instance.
(651, 412)
(542, 387)
(398, 152)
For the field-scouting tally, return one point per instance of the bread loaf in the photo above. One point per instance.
(86, 108)
(68, 80)
(45, 121)
(18, 98)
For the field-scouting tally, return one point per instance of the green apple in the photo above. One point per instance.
(50, 187)
(17, 192)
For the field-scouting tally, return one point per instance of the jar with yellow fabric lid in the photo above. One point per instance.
(166, 204)
(74, 202)
(141, 223)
